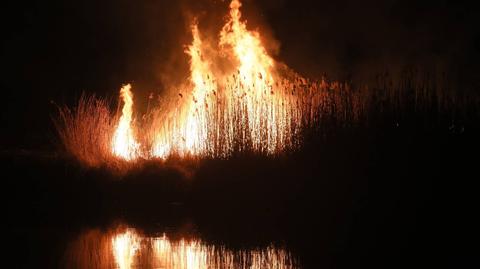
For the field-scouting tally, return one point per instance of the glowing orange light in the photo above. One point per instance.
(129, 249)
(124, 143)
(124, 247)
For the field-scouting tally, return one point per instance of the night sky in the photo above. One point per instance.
(54, 50)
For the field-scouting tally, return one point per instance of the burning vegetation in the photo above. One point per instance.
(251, 104)
(86, 131)
(245, 107)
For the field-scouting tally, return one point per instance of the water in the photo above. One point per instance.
(342, 208)
(126, 247)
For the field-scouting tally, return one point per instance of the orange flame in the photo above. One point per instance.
(265, 111)
(255, 64)
(189, 133)
(228, 112)
(124, 143)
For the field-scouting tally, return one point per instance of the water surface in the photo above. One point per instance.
(126, 247)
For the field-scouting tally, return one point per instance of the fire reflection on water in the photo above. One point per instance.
(128, 248)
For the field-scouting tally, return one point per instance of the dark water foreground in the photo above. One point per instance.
(390, 198)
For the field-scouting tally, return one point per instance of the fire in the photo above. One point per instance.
(231, 111)
(237, 99)
(124, 143)
(264, 112)
(188, 135)
(255, 64)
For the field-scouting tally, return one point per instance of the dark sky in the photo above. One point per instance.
(54, 50)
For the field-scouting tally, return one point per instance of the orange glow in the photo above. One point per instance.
(124, 247)
(255, 64)
(189, 133)
(124, 143)
(179, 255)
(128, 248)
(265, 114)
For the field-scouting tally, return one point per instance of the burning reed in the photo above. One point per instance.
(256, 105)
(86, 130)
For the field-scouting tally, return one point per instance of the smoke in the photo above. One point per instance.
(98, 46)
(358, 39)
(345, 40)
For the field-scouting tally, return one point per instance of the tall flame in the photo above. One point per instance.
(225, 112)
(201, 77)
(188, 135)
(124, 143)
(255, 64)
(265, 113)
